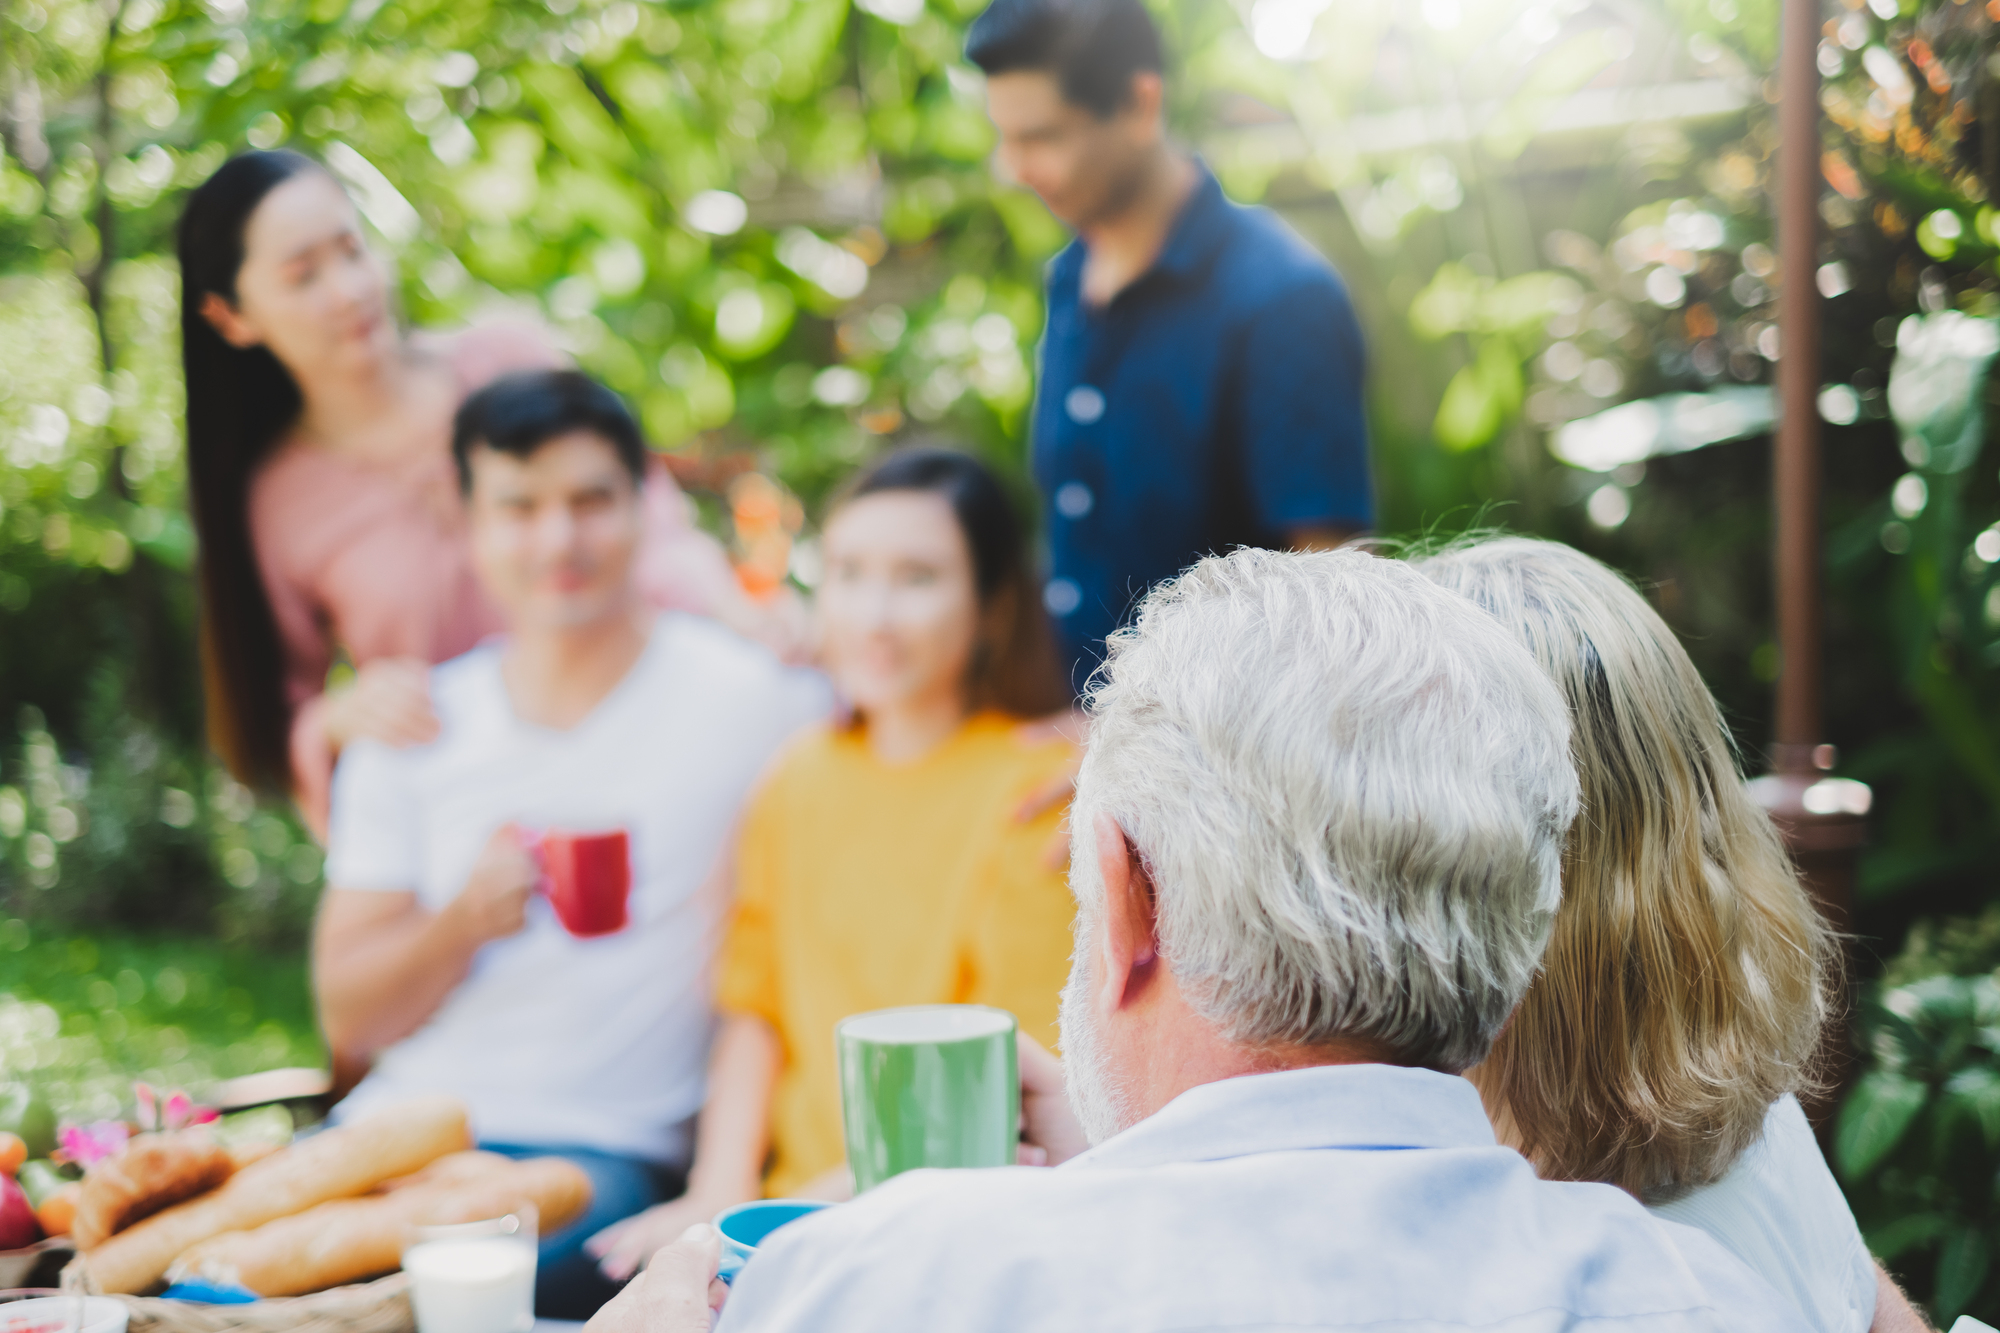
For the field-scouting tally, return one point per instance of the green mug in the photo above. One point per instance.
(928, 1085)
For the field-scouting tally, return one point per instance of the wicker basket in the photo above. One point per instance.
(381, 1306)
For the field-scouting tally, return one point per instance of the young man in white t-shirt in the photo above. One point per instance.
(434, 958)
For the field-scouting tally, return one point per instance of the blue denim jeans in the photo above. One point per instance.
(568, 1283)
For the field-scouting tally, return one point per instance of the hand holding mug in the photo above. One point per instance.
(494, 903)
(1049, 1126)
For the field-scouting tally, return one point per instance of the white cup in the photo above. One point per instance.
(64, 1314)
(474, 1277)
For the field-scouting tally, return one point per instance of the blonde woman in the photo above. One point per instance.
(1683, 994)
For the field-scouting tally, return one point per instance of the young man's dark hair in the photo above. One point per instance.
(518, 414)
(1093, 47)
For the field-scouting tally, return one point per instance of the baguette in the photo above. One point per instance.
(348, 1240)
(337, 1164)
(457, 1168)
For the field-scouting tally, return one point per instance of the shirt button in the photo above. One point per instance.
(1061, 596)
(1073, 499)
(1084, 404)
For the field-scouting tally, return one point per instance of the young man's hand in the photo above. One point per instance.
(494, 904)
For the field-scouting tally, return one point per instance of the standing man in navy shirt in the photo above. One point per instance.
(1201, 370)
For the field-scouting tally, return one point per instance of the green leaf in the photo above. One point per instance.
(1524, 304)
(1961, 1271)
(1977, 1090)
(1468, 415)
(1449, 303)
(1874, 1118)
(1480, 397)
(1891, 1240)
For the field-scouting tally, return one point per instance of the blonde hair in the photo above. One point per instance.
(1689, 975)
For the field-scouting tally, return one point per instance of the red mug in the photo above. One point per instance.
(587, 878)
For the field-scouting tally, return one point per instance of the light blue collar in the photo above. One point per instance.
(1298, 1110)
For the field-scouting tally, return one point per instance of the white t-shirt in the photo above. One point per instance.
(551, 1040)
(1779, 1210)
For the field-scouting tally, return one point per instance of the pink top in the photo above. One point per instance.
(372, 558)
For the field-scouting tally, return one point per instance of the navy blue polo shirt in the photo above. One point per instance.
(1214, 403)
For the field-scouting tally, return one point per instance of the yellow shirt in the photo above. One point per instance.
(863, 885)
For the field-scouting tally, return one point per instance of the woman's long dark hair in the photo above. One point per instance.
(239, 401)
(1014, 665)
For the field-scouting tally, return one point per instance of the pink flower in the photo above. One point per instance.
(87, 1145)
(148, 1106)
(175, 1110)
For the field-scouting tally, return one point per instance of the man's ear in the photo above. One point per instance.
(1146, 100)
(226, 320)
(1129, 939)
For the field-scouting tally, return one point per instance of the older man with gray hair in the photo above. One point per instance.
(1317, 841)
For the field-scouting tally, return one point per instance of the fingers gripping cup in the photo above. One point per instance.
(930, 1085)
(588, 879)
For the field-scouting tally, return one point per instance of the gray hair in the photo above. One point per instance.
(1350, 788)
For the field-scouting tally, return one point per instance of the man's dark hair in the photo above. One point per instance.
(1093, 47)
(519, 413)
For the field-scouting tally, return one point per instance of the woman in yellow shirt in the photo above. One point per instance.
(882, 863)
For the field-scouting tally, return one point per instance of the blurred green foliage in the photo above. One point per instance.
(1918, 1140)
(82, 1016)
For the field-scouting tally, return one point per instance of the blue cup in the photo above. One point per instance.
(745, 1227)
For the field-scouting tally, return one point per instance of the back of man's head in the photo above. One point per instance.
(1092, 47)
(1350, 788)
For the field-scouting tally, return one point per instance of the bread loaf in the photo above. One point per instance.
(151, 1173)
(348, 1240)
(337, 1164)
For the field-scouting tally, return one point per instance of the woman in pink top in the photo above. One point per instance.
(320, 472)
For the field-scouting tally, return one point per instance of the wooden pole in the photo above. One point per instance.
(1796, 468)
(1821, 818)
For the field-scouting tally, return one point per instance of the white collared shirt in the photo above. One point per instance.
(1779, 1210)
(1341, 1197)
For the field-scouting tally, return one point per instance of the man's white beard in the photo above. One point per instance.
(1101, 1108)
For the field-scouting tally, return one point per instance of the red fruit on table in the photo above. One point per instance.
(18, 1227)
